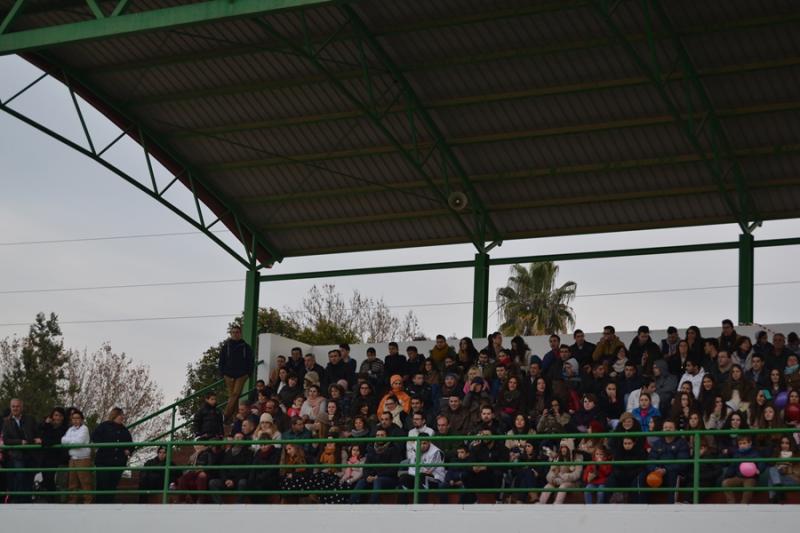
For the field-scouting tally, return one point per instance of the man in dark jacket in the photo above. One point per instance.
(641, 345)
(264, 478)
(20, 429)
(207, 421)
(483, 477)
(337, 370)
(379, 478)
(666, 448)
(154, 479)
(393, 363)
(236, 362)
(582, 350)
(234, 478)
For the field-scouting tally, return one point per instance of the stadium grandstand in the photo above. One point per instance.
(430, 123)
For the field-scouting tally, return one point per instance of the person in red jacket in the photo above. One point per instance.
(596, 476)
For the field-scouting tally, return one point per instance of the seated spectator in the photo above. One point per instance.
(207, 422)
(717, 415)
(235, 454)
(737, 391)
(379, 478)
(648, 386)
(728, 443)
(582, 349)
(710, 473)
(630, 380)
(260, 388)
(553, 420)
(645, 411)
(520, 428)
(588, 413)
(596, 476)
(400, 418)
(784, 474)
(399, 394)
(527, 477)
(289, 394)
(484, 477)
(337, 370)
(196, 479)
(372, 367)
(419, 426)
(417, 388)
(314, 406)
(337, 393)
(264, 478)
(327, 478)
(611, 404)
(454, 476)
(693, 374)
(154, 479)
(758, 374)
(681, 410)
(666, 383)
(562, 476)
(298, 430)
(294, 478)
(608, 346)
(355, 469)
(665, 448)
(669, 346)
(457, 415)
(618, 366)
(242, 412)
(431, 477)
(414, 362)
(626, 475)
(392, 428)
(769, 443)
(733, 476)
(365, 395)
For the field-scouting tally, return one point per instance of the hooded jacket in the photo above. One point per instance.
(236, 359)
(560, 474)
(666, 383)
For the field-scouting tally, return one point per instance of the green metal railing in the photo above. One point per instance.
(695, 461)
(173, 407)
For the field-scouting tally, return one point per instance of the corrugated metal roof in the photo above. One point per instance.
(556, 127)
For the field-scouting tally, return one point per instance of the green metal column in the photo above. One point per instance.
(480, 298)
(250, 323)
(746, 278)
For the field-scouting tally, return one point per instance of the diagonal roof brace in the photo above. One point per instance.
(709, 127)
(420, 153)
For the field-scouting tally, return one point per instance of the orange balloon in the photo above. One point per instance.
(654, 479)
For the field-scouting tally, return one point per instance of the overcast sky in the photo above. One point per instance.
(51, 193)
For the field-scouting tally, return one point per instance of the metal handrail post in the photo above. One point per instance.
(696, 469)
(167, 464)
(417, 462)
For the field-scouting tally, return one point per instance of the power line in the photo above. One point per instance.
(418, 305)
(129, 286)
(108, 238)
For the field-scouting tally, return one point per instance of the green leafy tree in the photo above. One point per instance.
(531, 304)
(33, 368)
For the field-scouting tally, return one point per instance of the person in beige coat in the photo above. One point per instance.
(562, 476)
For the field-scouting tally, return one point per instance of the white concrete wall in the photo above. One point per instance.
(270, 346)
(397, 518)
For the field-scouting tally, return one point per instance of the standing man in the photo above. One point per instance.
(18, 429)
(236, 362)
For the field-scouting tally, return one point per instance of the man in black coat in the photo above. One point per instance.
(379, 478)
(234, 478)
(337, 370)
(19, 428)
(236, 363)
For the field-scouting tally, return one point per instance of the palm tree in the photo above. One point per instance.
(531, 304)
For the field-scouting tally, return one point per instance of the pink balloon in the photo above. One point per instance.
(748, 469)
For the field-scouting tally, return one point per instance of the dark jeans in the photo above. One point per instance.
(379, 483)
(107, 480)
(219, 484)
(20, 481)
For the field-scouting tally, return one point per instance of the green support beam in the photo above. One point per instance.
(250, 322)
(480, 296)
(746, 278)
(123, 23)
(579, 256)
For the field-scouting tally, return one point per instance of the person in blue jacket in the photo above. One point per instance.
(733, 477)
(666, 448)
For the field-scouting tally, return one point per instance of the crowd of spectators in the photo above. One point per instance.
(674, 385)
